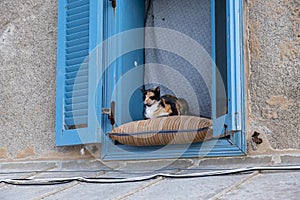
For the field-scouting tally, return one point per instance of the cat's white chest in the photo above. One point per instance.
(155, 111)
(150, 110)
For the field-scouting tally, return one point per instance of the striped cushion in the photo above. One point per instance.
(163, 131)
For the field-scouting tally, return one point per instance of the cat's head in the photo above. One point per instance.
(151, 96)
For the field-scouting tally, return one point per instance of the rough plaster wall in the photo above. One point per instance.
(27, 79)
(274, 41)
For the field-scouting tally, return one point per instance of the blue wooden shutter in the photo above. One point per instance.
(78, 69)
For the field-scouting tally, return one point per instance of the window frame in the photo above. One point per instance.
(235, 143)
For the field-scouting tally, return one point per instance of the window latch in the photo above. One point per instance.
(110, 112)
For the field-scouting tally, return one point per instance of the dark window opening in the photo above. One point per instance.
(221, 53)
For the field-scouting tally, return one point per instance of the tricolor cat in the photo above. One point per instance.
(160, 106)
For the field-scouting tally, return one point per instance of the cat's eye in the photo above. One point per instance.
(153, 97)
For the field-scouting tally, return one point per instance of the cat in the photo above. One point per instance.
(161, 106)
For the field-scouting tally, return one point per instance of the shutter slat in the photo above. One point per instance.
(76, 120)
(71, 1)
(79, 73)
(77, 48)
(76, 10)
(77, 54)
(76, 106)
(78, 16)
(76, 93)
(83, 27)
(73, 68)
(80, 86)
(77, 35)
(76, 61)
(76, 3)
(77, 80)
(74, 42)
(75, 100)
(76, 113)
(77, 23)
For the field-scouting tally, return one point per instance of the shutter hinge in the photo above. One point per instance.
(113, 3)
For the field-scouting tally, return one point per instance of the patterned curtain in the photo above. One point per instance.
(183, 70)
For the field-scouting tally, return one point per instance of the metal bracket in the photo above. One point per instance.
(106, 111)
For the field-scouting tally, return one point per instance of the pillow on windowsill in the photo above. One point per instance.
(163, 131)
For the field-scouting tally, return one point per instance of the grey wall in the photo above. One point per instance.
(27, 83)
(28, 62)
(274, 89)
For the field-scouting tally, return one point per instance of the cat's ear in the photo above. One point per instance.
(157, 89)
(142, 90)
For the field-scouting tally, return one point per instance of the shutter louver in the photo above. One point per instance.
(76, 66)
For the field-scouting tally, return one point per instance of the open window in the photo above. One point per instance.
(110, 79)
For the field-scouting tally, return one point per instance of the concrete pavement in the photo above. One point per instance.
(275, 184)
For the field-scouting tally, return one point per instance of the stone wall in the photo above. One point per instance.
(273, 81)
(28, 33)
